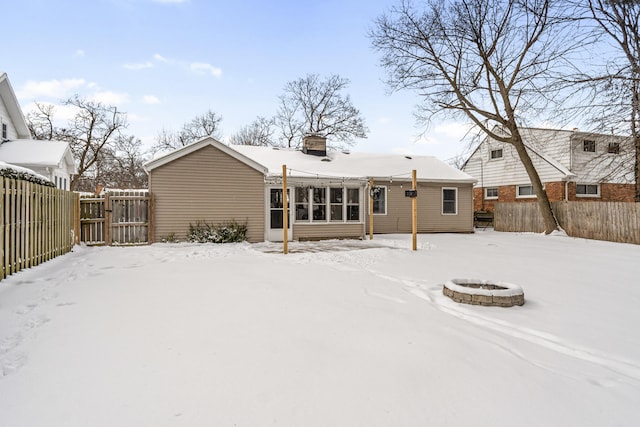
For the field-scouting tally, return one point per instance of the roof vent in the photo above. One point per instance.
(346, 152)
(275, 148)
(326, 159)
(408, 157)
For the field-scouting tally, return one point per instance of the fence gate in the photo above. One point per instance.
(117, 218)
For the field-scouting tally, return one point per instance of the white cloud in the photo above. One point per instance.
(203, 68)
(50, 88)
(79, 53)
(150, 100)
(110, 98)
(384, 120)
(424, 140)
(140, 66)
(160, 58)
(62, 114)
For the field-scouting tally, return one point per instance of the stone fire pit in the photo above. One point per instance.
(483, 292)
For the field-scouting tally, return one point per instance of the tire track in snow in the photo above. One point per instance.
(626, 368)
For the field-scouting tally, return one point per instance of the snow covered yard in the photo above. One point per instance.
(356, 334)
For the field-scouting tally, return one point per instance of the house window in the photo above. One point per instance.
(589, 146)
(65, 183)
(379, 195)
(496, 154)
(449, 201)
(525, 191)
(4, 131)
(302, 203)
(614, 148)
(320, 204)
(336, 202)
(491, 193)
(353, 204)
(588, 190)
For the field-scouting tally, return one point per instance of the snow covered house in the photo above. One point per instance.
(328, 191)
(573, 166)
(51, 159)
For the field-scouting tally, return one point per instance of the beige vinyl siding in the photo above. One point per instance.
(207, 185)
(327, 231)
(430, 217)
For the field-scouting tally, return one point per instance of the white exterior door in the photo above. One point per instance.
(275, 215)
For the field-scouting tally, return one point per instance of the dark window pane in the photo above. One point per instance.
(336, 212)
(353, 213)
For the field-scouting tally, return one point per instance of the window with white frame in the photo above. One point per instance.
(335, 208)
(589, 146)
(4, 131)
(495, 154)
(379, 195)
(587, 190)
(491, 193)
(319, 199)
(525, 191)
(302, 204)
(449, 201)
(336, 200)
(353, 204)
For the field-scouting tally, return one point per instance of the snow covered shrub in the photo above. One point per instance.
(12, 173)
(228, 232)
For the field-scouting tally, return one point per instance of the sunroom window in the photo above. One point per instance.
(336, 201)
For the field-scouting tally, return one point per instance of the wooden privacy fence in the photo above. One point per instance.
(611, 221)
(117, 218)
(37, 224)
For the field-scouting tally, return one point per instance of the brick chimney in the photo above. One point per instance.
(314, 144)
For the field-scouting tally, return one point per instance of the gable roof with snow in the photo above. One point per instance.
(353, 165)
(336, 164)
(10, 102)
(204, 142)
(38, 153)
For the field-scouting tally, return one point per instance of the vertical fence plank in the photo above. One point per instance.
(611, 221)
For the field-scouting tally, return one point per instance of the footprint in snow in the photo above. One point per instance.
(12, 363)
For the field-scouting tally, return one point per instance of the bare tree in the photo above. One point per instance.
(619, 20)
(122, 165)
(491, 61)
(316, 105)
(207, 124)
(40, 122)
(93, 130)
(259, 132)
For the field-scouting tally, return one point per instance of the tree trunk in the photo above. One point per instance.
(550, 221)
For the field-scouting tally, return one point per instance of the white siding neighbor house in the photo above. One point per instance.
(51, 159)
(573, 165)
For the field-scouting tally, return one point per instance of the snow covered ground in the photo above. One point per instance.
(333, 334)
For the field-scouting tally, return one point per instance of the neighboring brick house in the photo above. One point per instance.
(573, 166)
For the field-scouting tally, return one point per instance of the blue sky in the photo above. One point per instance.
(166, 61)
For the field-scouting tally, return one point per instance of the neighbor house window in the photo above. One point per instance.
(353, 204)
(589, 146)
(614, 148)
(588, 190)
(379, 195)
(525, 191)
(336, 202)
(4, 131)
(302, 203)
(496, 154)
(319, 204)
(491, 193)
(449, 201)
